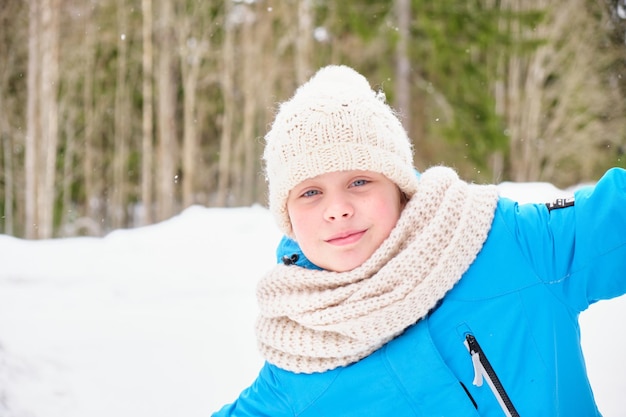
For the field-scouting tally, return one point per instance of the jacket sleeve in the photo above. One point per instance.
(261, 399)
(580, 248)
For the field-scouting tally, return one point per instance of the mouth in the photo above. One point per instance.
(346, 238)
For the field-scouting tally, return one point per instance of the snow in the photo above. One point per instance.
(159, 321)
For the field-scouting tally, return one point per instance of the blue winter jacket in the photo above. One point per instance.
(504, 341)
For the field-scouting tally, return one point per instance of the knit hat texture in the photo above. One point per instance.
(334, 122)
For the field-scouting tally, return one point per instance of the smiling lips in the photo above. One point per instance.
(346, 238)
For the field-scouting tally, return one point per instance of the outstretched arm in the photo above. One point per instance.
(579, 246)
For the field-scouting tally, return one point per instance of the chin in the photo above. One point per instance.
(345, 266)
(341, 263)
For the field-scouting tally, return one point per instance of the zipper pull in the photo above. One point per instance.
(478, 375)
(484, 371)
(470, 344)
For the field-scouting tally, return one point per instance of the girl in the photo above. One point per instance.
(402, 294)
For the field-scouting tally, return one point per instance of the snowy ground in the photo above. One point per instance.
(158, 321)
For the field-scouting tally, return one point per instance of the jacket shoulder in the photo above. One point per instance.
(299, 390)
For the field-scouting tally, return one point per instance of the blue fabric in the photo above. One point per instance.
(520, 298)
(287, 248)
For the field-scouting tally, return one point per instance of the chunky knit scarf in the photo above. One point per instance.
(313, 321)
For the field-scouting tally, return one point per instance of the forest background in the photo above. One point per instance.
(121, 113)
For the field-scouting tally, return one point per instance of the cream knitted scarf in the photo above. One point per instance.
(313, 321)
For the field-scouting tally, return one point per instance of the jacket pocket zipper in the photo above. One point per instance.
(484, 370)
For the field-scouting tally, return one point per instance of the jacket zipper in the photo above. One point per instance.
(484, 370)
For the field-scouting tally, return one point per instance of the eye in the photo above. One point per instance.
(310, 193)
(360, 182)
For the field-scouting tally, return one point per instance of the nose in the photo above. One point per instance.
(338, 208)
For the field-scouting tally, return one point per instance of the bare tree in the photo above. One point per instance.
(9, 103)
(193, 48)
(252, 45)
(33, 127)
(227, 83)
(304, 41)
(7, 152)
(42, 118)
(147, 178)
(69, 130)
(118, 193)
(49, 113)
(403, 66)
(166, 166)
(265, 91)
(89, 152)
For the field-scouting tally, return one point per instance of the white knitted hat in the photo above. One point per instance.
(334, 122)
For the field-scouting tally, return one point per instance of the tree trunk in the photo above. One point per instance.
(67, 212)
(6, 135)
(49, 114)
(304, 41)
(147, 178)
(92, 196)
(403, 66)
(227, 86)
(499, 95)
(118, 199)
(266, 93)
(249, 84)
(190, 60)
(7, 152)
(33, 131)
(166, 116)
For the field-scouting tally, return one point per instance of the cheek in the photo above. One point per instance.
(388, 211)
(298, 220)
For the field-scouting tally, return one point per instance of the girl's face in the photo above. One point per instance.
(340, 218)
